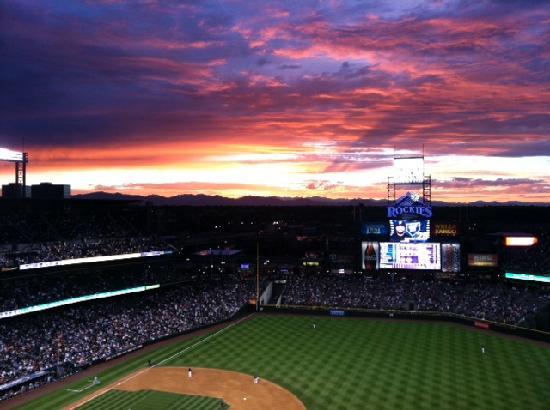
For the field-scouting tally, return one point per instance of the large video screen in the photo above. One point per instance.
(409, 231)
(410, 255)
(450, 257)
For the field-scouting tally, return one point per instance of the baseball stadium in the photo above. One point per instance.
(274, 204)
(117, 304)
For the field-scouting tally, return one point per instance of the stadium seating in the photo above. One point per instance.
(76, 337)
(498, 302)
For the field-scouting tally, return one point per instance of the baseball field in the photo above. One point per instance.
(342, 363)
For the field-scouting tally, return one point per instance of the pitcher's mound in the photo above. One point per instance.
(238, 390)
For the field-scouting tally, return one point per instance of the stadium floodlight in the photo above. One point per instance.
(521, 240)
(9, 155)
(408, 169)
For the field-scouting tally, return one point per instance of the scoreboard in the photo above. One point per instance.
(399, 255)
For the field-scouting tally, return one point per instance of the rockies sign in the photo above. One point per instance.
(409, 205)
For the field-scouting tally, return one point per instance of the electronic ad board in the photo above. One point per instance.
(378, 229)
(520, 240)
(483, 260)
(527, 276)
(400, 255)
(370, 255)
(409, 230)
(450, 257)
(92, 259)
(445, 229)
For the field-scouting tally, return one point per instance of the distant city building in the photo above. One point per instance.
(47, 190)
(16, 191)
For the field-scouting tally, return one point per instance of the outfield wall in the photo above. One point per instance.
(411, 315)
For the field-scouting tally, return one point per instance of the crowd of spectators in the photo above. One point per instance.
(27, 290)
(532, 259)
(84, 334)
(491, 301)
(33, 224)
(82, 248)
(66, 230)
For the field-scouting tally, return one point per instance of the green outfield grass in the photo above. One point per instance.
(148, 400)
(364, 364)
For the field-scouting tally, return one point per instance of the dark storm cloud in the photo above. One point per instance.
(467, 76)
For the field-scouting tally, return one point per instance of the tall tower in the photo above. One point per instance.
(21, 173)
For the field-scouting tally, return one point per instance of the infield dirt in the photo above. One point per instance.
(238, 390)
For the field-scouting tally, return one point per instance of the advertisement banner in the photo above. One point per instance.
(482, 259)
(450, 230)
(337, 313)
(370, 259)
(482, 325)
(380, 229)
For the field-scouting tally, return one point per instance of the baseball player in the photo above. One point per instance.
(189, 373)
(482, 349)
(256, 379)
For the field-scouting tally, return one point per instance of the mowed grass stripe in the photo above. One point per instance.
(356, 364)
(385, 364)
(149, 400)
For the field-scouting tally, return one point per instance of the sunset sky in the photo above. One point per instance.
(291, 98)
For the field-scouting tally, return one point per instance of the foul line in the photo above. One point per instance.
(131, 376)
(93, 383)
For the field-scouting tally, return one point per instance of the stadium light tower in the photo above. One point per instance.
(409, 174)
(20, 159)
